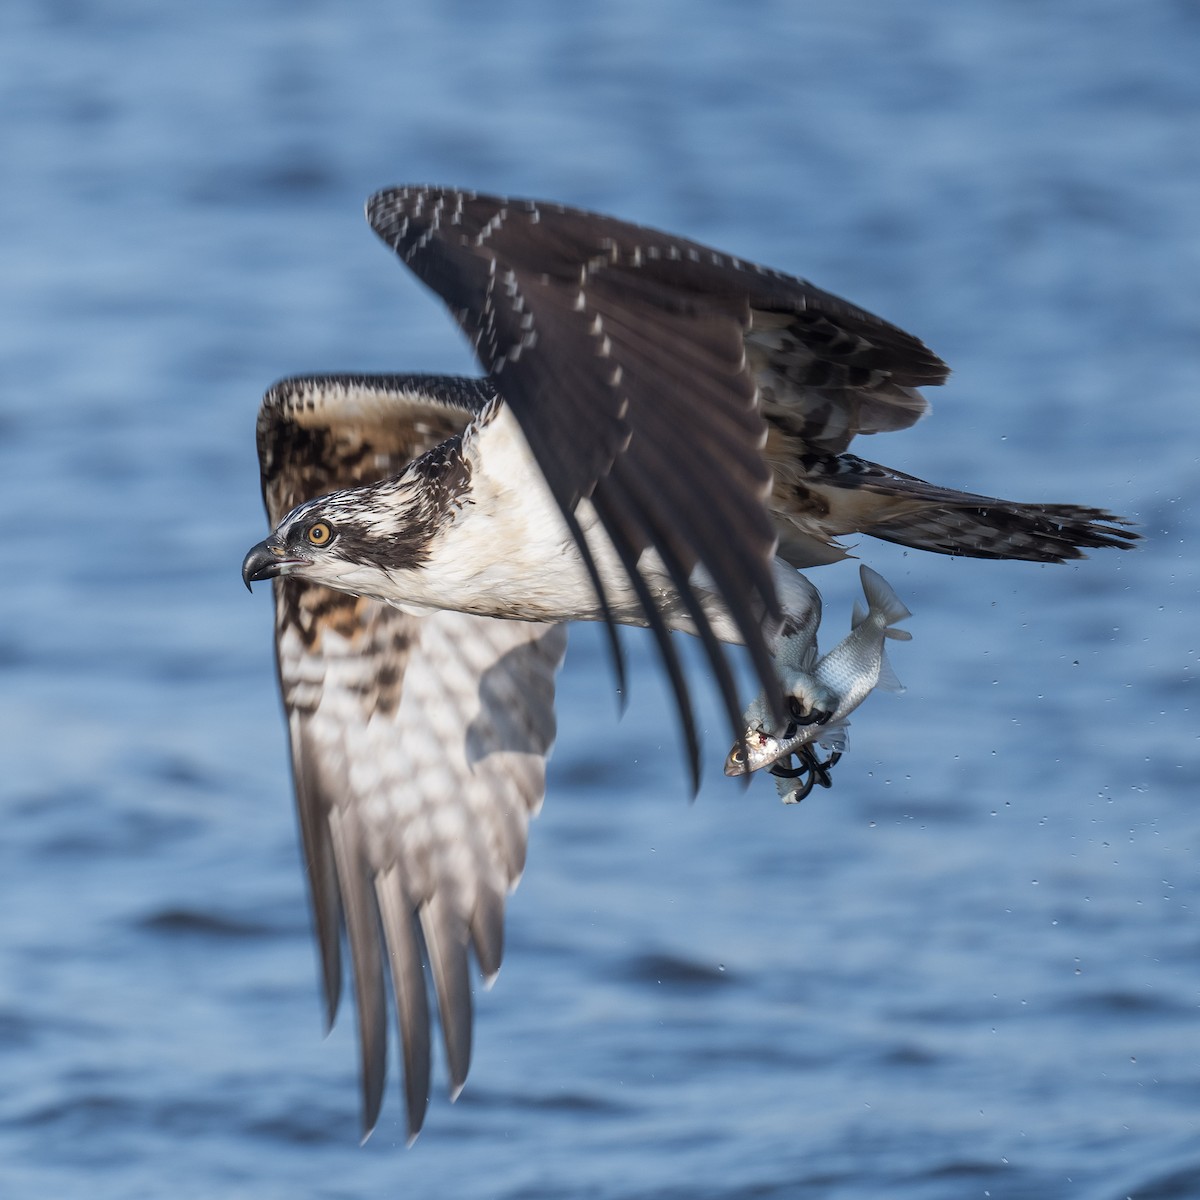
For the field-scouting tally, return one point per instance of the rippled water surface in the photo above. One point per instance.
(969, 970)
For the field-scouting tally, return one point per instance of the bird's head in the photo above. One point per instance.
(356, 540)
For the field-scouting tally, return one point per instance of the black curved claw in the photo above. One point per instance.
(810, 765)
(819, 769)
(777, 768)
(802, 789)
(799, 717)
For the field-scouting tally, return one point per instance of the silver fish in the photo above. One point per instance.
(831, 688)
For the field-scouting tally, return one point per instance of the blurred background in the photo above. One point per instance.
(968, 970)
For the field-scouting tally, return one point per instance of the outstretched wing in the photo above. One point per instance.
(631, 361)
(418, 742)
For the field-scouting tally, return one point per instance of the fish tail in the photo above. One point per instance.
(884, 602)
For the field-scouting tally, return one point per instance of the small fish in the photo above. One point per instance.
(762, 749)
(796, 657)
(822, 695)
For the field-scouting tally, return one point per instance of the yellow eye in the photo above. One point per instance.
(320, 533)
(737, 756)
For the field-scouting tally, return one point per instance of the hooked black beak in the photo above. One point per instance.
(265, 561)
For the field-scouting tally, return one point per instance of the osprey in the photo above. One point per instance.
(660, 439)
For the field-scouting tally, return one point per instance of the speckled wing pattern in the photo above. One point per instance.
(418, 743)
(629, 358)
(703, 403)
(821, 496)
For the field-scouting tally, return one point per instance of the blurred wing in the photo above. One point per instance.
(418, 743)
(418, 748)
(632, 362)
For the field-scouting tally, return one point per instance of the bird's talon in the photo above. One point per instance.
(799, 792)
(778, 769)
(815, 716)
(810, 765)
(820, 770)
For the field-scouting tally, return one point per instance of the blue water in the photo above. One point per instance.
(972, 969)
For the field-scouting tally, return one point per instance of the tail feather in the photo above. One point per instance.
(1007, 529)
(863, 497)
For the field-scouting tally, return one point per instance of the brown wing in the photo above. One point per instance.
(418, 743)
(628, 357)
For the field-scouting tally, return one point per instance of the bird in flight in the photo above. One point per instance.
(660, 438)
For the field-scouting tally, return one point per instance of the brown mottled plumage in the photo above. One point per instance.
(389, 724)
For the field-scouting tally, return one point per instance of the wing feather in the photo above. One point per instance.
(446, 937)
(583, 344)
(362, 928)
(408, 986)
(418, 743)
(319, 861)
(643, 368)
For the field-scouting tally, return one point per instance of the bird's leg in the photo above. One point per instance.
(810, 764)
(820, 770)
(806, 701)
(783, 769)
(791, 792)
(794, 647)
(804, 709)
(810, 772)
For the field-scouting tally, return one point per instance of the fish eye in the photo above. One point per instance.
(737, 755)
(320, 533)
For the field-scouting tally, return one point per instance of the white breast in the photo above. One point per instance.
(507, 551)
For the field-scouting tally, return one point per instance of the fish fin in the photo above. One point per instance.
(882, 598)
(834, 737)
(859, 615)
(888, 680)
